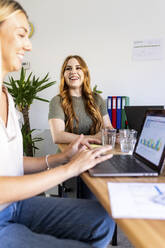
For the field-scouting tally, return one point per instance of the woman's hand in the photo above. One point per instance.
(92, 139)
(98, 136)
(86, 159)
(77, 145)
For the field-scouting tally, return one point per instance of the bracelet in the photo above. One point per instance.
(46, 160)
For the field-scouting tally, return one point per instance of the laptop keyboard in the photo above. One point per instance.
(124, 163)
(127, 163)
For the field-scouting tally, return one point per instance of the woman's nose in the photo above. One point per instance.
(28, 45)
(73, 70)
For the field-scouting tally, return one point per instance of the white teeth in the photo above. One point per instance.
(74, 78)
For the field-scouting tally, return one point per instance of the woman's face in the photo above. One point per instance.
(73, 74)
(14, 33)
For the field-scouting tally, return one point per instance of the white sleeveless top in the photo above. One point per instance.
(11, 147)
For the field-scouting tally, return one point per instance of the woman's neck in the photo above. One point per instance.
(75, 92)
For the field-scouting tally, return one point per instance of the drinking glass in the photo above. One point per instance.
(108, 137)
(127, 140)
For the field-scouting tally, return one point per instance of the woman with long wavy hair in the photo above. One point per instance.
(77, 109)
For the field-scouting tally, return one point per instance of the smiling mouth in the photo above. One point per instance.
(73, 78)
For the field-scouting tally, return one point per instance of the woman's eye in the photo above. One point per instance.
(22, 35)
(68, 68)
(78, 68)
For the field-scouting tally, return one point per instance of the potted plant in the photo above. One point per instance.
(24, 92)
(95, 90)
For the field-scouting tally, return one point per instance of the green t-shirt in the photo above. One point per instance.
(85, 122)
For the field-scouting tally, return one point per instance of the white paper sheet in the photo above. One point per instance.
(136, 200)
(147, 49)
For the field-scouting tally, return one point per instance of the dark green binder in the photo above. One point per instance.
(125, 102)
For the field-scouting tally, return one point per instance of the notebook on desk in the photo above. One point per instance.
(148, 156)
(135, 115)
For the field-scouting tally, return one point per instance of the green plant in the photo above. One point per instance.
(24, 92)
(96, 91)
(28, 140)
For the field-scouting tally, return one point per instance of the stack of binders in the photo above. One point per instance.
(117, 115)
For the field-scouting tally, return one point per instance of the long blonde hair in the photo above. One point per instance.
(8, 8)
(87, 94)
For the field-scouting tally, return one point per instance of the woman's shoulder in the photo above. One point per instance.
(98, 99)
(55, 99)
(55, 108)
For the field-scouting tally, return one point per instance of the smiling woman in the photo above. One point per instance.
(74, 77)
(77, 109)
(40, 221)
(16, 42)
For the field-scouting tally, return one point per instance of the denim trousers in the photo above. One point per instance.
(49, 222)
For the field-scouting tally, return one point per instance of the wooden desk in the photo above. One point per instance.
(142, 233)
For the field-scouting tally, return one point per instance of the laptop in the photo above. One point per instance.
(148, 155)
(135, 115)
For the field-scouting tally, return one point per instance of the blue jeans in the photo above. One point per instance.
(83, 191)
(55, 223)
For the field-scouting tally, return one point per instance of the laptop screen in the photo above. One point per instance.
(152, 139)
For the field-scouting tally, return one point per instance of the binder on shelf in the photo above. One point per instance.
(118, 112)
(125, 102)
(109, 107)
(114, 103)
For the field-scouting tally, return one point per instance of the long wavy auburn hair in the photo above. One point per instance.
(87, 94)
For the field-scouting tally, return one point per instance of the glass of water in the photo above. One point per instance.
(127, 140)
(108, 137)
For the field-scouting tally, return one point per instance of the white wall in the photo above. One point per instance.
(102, 32)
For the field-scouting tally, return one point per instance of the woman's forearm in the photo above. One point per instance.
(64, 137)
(38, 164)
(15, 188)
(18, 188)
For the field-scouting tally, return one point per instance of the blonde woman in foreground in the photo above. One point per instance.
(25, 219)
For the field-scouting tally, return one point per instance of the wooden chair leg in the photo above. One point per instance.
(114, 238)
